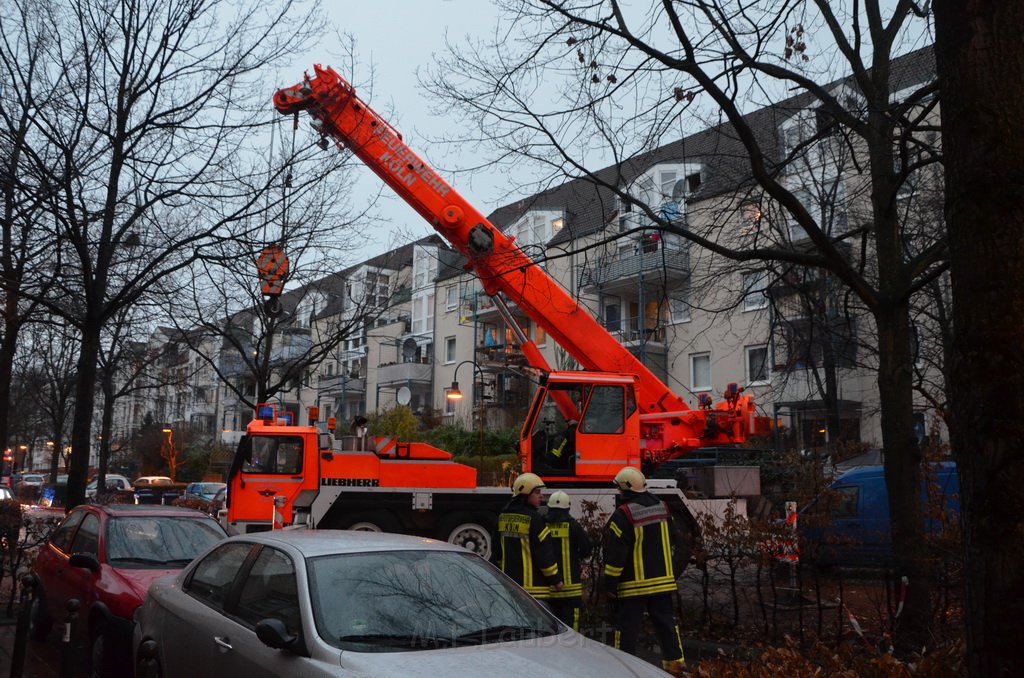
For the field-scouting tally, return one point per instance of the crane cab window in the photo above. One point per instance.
(607, 410)
(275, 454)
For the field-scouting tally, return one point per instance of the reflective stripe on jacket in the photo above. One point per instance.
(522, 548)
(571, 546)
(638, 547)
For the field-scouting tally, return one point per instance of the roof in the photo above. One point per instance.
(725, 165)
(313, 543)
(148, 509)
(879, 470)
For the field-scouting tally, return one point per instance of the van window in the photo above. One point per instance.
(846, 502)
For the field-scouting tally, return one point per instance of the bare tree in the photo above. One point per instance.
(630, 77)
(23, 187)
(155, 136)
(981, 71)
(258, 355)
(47, 357)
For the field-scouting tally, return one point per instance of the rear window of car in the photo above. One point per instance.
(159, 542)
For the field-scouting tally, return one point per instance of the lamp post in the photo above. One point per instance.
(455, 394)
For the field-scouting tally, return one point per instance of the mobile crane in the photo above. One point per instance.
(619, 413)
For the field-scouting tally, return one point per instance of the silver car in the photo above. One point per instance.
(341, 603)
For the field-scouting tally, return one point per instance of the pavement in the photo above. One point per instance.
(42, 658)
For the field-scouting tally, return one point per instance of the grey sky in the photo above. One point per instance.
(396, 37)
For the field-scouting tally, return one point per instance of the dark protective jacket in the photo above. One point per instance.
(522, 548)
(571, 546)
(640, 544)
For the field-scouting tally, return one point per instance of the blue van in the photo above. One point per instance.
(853, 529)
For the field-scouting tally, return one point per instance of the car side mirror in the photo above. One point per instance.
(273, 633)
(86, 560)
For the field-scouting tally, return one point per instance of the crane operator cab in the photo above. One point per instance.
(580, 426)
(553, 441)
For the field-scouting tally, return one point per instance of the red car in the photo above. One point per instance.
(106, 556)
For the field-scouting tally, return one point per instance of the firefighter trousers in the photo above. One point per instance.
(567, 610)
(629, 618)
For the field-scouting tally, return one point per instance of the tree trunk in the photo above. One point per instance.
(903, 475)
(105, 428)
(981, 74)
(81, 431)
(8, 345)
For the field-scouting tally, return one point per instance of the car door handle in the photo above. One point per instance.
(222, 642)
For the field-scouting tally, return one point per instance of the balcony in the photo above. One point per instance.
(629, 331)
(652, 260)
(486, 310)
(403, 373)
(339, 384)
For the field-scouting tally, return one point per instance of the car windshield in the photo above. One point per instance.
(158, 542)
(415, 600)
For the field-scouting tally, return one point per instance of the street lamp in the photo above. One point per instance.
(455, 394)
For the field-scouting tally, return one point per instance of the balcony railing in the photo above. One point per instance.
(336, 384)
(404, 373)
(648, 259)
(633, 331)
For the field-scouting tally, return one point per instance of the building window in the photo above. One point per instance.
(754, 286)
(540, 337)
(679, 304)
(700, 371)
(449, 350)
(452, 299)
(757, 364)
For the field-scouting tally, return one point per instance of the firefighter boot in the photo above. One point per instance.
(675, 667)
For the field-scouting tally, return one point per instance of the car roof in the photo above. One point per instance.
(313, 543)
(148, 509)
(863, 472)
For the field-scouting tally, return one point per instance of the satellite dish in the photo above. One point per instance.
(679, 190)
(409, 350)
(404, 395)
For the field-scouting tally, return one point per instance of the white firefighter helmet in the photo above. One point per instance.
(630, 478)
(559, 500)
(526, 483)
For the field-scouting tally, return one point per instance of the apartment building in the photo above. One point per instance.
(410, 326)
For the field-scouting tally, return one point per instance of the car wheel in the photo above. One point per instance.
(372, 521)
(99, 652)
(148, 668)
(469, 532)
(39, 623)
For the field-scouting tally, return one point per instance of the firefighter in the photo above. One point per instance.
(639, 575)
(522, 545)
(572, 545)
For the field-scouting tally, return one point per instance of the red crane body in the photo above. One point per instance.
(656, 423)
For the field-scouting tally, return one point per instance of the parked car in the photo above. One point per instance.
(5, 493)
(849, 524)
(29, 486)
(106, 556)
(203, 491)
(114, 483)
(149, 481)
(218, 502)
(340, 603)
